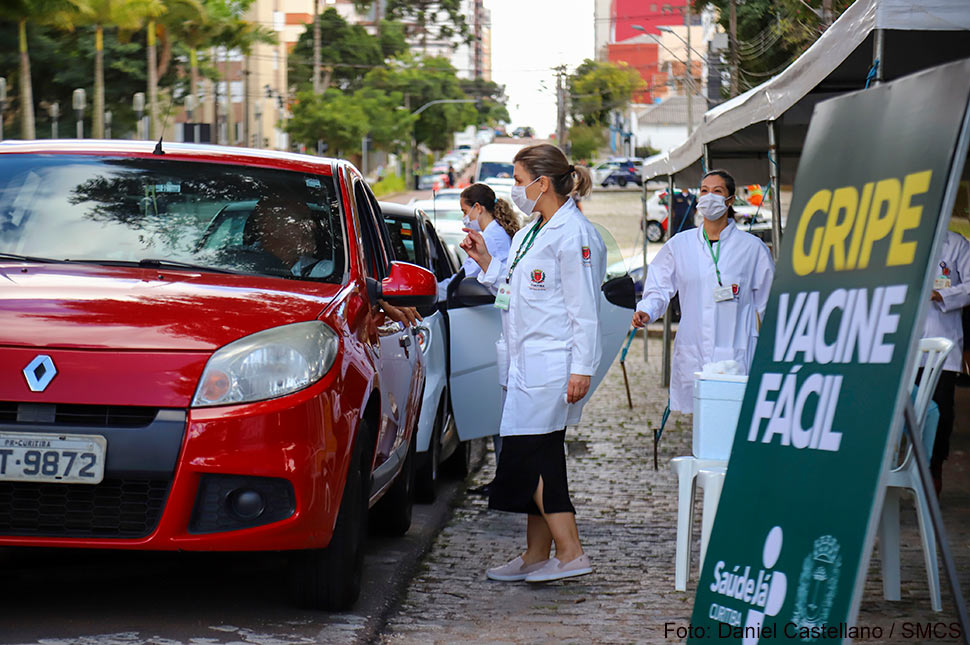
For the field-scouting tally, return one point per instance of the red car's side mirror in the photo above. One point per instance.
(407, 285)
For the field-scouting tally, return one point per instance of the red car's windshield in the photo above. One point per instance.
(131, 210)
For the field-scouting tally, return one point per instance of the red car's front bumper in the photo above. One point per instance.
(292, 452)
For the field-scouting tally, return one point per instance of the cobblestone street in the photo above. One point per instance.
(626, 517)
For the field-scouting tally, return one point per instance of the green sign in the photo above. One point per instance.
(795, 524)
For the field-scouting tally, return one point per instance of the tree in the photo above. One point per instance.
(40, 12)
(347, 52)
(585, 140)
(771, 33)
(597, 89)
(420, 83)
(171, 10)
(440, 21)
(492, 101)
(333, 117)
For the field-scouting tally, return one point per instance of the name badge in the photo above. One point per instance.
(942, 282)
(723, 293)
(503, 297)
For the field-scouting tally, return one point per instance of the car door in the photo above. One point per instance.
(398, 352)
(615, 321)
(476, 395)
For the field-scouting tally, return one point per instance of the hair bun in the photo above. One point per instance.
(572, 168)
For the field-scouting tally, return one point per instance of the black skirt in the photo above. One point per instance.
(523, 460)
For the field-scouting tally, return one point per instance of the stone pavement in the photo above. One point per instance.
(626, 517)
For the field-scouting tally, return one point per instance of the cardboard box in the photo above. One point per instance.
(717, 404)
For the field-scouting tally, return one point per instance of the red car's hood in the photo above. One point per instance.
(89, 306)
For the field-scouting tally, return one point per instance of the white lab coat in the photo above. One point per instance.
(709, 331)
(551, 328)
(943, 318)
(497, 241)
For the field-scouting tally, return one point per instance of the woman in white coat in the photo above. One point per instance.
(548, 290)
(723, 275)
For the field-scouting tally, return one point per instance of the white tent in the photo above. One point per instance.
(904, 35)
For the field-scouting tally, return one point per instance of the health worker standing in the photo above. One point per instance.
(723, 275)
(548, 290)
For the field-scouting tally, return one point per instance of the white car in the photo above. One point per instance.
(749, 217)
(462, 397)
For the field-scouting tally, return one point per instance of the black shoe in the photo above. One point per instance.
(484, 490)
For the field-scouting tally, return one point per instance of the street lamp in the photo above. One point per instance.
(670, 31)
(3, 102)
(190, 104)
(259, 123)
(79, 101)
(54, 111)
(138, 105)
(107, 124)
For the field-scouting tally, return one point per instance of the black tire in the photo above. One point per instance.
(426, 478)
(655, 231)
(459, 464)
(391, 515)
(621, 181)
(330, 578)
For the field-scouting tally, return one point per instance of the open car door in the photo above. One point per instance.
(615, 320)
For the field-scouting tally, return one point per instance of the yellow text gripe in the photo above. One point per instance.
(842, 226)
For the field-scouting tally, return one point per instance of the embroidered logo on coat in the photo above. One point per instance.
(735, 289)
(586, 253)
(944, 269)
(538, 276)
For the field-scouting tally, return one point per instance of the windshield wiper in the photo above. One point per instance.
(28, 258)
(155, 263)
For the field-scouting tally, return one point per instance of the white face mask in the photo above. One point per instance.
(711, 206)
(522, 202)
(473, 224)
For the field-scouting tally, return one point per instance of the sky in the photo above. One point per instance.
(529, 38)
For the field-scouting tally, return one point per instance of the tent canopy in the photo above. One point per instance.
(915, 35)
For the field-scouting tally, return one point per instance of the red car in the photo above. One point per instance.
(194, 356)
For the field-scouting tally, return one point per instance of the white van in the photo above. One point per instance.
(495, 161)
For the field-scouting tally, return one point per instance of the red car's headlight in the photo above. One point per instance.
(268, 364)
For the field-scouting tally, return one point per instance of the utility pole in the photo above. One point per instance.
(690, 77)
(826, 13)
(733, 47)
(561, 107)
(246, 101)
(316, 48)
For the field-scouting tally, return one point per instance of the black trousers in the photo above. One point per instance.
(943, 396)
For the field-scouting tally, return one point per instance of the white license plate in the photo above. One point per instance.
(57, 458)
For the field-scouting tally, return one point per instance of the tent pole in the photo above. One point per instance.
(877, 54)
(707, 160)
(773, 176)
(665, 373)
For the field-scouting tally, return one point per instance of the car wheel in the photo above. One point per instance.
(655, 231)
(459, 464)
(392, 514)
(330, 578)
(621, 181)
(426, 479)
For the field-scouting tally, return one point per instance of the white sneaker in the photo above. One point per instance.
(556, 570)
(514, 571)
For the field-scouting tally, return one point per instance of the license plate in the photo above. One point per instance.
(55, 458)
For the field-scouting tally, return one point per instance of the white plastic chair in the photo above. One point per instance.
(711, 479)
(686, 469)
(906, 476)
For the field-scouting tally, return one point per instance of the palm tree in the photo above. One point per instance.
(168, 13)
(59, 13)
(126, 15)
(242, 35)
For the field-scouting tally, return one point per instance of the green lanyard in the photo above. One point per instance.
(714, 257)
(530, 237)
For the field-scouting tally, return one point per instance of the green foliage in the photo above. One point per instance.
(347, 52)
(388, 185)
(596, 89)
(585, 140)
(333, 117)
(430, 20)
(125, 73)
(491, 107)
(645, 151)
(771, 33)
(425, 81)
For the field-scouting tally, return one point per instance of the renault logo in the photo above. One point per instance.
(39, 373)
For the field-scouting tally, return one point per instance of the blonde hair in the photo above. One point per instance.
(547, 160)
(498, 208)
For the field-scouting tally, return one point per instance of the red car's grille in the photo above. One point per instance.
(115, 508)
(95, 416)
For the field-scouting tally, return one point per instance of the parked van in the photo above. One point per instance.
(495, 161)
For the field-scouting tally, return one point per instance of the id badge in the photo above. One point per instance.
(503, 297)
(942, 282)
(723, 293)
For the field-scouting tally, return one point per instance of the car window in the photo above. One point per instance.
(500, 169)
(115, 210)
(445, 263)
(405, 241)
(376, 247)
